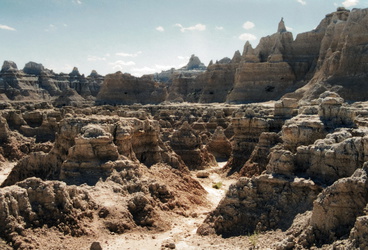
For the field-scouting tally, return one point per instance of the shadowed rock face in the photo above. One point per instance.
(121, 88)
(33, 68)
(35, 83)
(186, 143)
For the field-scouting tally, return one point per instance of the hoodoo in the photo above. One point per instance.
(266, 149)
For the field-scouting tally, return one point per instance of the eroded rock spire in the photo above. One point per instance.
(281, 27)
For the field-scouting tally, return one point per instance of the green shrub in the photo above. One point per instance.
(217, 185)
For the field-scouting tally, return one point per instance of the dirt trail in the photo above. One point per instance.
(182, 235)
(183, 232)
(5, 169)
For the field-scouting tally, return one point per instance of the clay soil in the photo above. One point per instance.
(181, 235)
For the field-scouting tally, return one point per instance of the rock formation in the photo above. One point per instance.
(219, 145)
(298, 157)
(260, 203)
(37, 83)
(340, 65)
(186, 143)
(121, 88)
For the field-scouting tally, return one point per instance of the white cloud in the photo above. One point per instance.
(288, 28)
(6, 27)
(219, 28)
(164, 67)
(95, 58)
(248, 25)
(129, 54)
(183, 57)
(120, 65)
(247, 37)
(349, 3)
(197, 27)
(302, 2)
(160, 28)
(77, 1)
(51, 28)
(141, 71)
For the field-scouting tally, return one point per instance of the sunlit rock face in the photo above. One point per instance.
(341, 65)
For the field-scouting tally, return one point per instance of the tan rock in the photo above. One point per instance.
(187, 144)
(259, 158)
(260, 203)
(338, 206)
(58, 205)
(219, 145)
(302, 130)
(121, 88)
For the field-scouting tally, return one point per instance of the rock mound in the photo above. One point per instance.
(33, 203)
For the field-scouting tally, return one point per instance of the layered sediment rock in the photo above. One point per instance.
(87, 145)
(34, 203)
(248, 124)
(35, 82)
(338, 214)
(260, 203)
(341, 64)
(186, 143)
(219, 145)
(121, 88)
(259, 158)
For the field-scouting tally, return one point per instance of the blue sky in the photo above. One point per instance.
(145, 36)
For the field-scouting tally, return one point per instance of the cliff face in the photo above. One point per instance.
(121, 88)
(35, 82)
(331, 57)
(342, 62)
(278, 65)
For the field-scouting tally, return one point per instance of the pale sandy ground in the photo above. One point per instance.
(182, 234)
(5, 169)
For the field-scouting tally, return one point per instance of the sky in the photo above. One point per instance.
(145, 36)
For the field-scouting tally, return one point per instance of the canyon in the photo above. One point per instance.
(263, 150)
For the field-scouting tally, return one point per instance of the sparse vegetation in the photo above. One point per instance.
(217, 185)
(253, 238)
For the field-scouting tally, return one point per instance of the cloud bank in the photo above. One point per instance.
(6, 27)
(247, 37)
(197, 27)
(349, 3)
(248, 25)
(160, 29)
